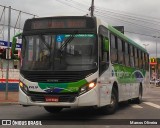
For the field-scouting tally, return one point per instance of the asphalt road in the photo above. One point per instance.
(88, 117)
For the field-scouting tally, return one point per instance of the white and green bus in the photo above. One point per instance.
(76, 61)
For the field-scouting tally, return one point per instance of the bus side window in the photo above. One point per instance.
(132, 63)
(114, 51)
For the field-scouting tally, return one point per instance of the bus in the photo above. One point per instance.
(78, 61)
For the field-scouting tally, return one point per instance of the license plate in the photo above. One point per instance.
(51, 99)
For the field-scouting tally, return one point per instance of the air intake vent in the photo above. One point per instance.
(56, 76)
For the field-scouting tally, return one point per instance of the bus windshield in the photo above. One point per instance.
(66, 52)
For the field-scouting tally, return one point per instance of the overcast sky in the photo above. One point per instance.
(140, 18)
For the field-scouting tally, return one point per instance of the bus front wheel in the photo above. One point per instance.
(110, 109)
(51, 109)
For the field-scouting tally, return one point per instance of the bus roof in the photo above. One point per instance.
(118, 33)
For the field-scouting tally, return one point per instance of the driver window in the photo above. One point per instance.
(104, 49)
(105, 53)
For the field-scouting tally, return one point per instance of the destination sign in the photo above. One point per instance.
(58, 23)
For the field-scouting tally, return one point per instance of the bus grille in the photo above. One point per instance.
(54, 77)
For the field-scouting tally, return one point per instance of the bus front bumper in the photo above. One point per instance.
(89, 98)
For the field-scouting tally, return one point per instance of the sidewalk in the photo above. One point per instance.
(12, 98)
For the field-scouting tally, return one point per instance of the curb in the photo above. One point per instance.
(9, 103)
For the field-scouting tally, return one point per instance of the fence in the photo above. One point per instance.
(13, 78)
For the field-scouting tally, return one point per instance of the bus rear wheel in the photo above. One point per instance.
(52, 109)
(138, 100)
(110, 109)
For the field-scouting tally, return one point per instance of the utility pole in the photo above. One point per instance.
(7, 52)
(92, 8)
(156, 68)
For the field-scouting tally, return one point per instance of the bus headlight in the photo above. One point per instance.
(23, 87)
(91, 85)
(83, 89)
(87, 87)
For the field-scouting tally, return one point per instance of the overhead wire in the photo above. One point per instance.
(20, 10)
(133, 16)
(139, 33)
(71, 4)
(157, 23)
(146, 27)
(120, 14)
(136, 24)
(138, 17)
(148, 20)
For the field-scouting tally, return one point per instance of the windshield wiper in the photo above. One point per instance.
(67, 41)
(45, 43)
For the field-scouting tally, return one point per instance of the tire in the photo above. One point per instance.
(110, 109)
(51, 109)
(138, 100)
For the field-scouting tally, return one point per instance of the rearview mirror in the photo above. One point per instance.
(105, 45)
(14, 41)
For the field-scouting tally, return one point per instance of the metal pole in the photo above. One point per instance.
(156, 62)
(156, 48)
(157, 57)
(7, 71)
(92, 8)
(157, 75)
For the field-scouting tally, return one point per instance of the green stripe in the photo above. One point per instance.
(67, 87)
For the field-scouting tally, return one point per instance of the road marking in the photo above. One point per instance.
(152, 104)
(136, 106)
